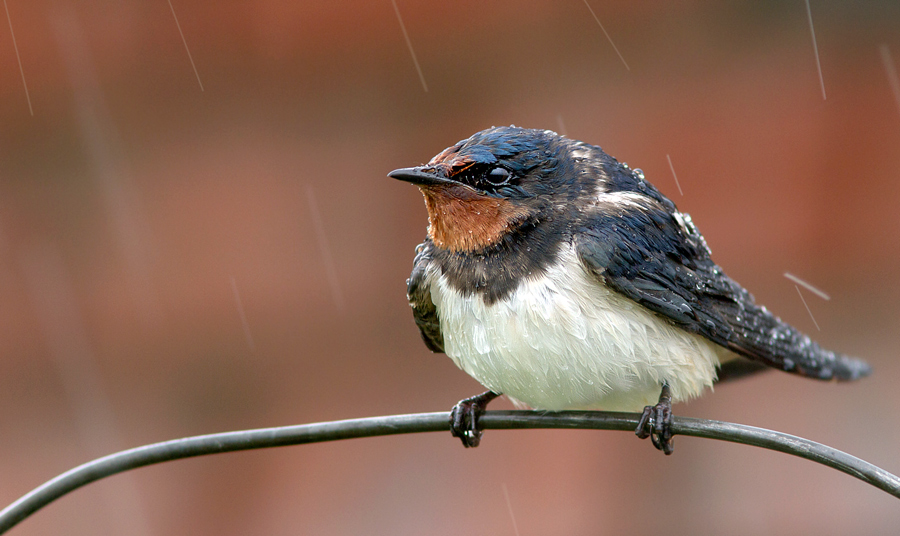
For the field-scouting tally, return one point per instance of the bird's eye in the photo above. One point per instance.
(497, 176)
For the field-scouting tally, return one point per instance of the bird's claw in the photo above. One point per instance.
(656, 423)
(464, 418)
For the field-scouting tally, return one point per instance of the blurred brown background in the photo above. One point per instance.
(177, 261)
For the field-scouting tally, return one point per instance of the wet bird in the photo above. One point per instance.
(562, 278)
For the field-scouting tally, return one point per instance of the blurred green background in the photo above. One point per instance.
(178, 260)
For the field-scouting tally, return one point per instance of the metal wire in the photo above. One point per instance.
(428, 422)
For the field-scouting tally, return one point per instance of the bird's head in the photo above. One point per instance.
(492, 183)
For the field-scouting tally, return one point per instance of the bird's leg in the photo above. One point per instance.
(656, 422)
(464, 418)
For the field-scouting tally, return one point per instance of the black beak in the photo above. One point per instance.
(418, 176)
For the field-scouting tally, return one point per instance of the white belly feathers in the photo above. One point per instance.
(565, 341)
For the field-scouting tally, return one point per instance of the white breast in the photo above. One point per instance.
(566, 341)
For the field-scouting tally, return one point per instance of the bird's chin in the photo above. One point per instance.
(462, 219)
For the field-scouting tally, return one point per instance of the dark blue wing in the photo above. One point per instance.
(656, 257)
(424, 311)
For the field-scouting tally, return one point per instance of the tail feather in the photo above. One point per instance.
(765, 337)
(850, 368)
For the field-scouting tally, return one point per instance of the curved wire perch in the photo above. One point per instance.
(428, 422)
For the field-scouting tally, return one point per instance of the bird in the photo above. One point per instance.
(561, 278)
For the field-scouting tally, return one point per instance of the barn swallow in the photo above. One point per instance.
(557, 276)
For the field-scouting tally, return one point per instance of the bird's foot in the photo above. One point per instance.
(656, 422)
(464, 418)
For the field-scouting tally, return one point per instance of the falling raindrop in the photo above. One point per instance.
(240, 306)
(327, 260)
